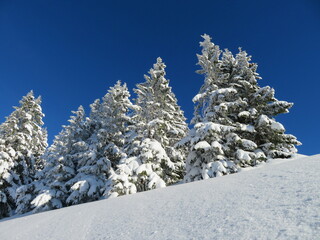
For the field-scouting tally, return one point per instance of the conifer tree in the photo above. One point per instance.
(153, 160)
(163, 119)
(23, 141)
(261, 110)
(7, 177)
(117, 108)
(109, 122)
(234, 117)
(50, 191)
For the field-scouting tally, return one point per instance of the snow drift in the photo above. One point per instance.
(277, 201)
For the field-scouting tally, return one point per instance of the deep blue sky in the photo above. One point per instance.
(71, 52)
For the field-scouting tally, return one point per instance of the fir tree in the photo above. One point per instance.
(153, 160)
(117, 108)
(8, 180)
(23, 141)
(261, 110)
(160, 115)
(50, 191)
(159, 110)
(242, 113)
(109, 122)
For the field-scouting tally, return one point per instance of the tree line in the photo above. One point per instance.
(123, 146)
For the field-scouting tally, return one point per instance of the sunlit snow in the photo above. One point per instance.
(276, 200)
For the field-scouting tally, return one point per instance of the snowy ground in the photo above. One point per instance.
(280, 200)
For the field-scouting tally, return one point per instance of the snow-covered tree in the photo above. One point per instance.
(160, 115)
(163, 119)
(207, 157)
(7, 177)
(117, 109)
(234, 117)
(23, 141)
(261, 110)
(50, 191)
(153, 160)
(109, 122)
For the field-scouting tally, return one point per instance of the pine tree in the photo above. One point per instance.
(50, 191)
(160, 115)
(109, 122)
(117, 108)
(23, 142)
(153, 160)
(159, 109)
(234, 117)
(262, 108)
(8, 180)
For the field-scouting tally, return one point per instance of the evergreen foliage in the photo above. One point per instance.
(23, 140)
(234, 117)
(153, 160)
(50, 191)
(159, 115)
(123, 148)
(108, 123)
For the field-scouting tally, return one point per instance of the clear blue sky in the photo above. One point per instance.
(71, 52)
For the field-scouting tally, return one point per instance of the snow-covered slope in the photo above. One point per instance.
(280, 200)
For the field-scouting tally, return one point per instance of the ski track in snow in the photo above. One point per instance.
(279, 200)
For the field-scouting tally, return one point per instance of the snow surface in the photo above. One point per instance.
(277, 200)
